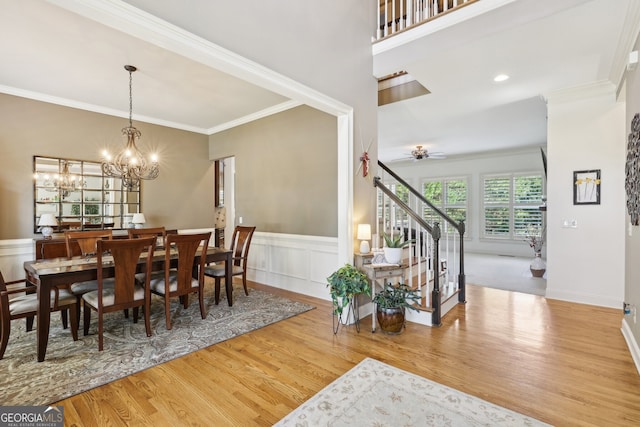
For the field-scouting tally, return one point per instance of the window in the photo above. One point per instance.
(511, 205)
(450, 196)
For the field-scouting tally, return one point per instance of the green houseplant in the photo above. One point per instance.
(344, 284)
(393, 247)
(391, 304)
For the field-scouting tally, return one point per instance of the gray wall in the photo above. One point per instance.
(632, 268)
(323, 45)
(286, 170)
(181, 197)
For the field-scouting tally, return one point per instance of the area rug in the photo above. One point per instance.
(376, 394)
(73, 367)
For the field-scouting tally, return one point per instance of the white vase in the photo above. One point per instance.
(393, 255)
(538, 266)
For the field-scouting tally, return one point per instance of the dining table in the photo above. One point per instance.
(46, 274)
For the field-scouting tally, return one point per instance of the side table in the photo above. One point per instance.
(379, 276)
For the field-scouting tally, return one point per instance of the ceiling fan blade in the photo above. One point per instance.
(437, 156)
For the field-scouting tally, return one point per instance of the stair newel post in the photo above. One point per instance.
(435, 294)
(462, 287)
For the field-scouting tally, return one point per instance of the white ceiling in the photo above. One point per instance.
(56, 55)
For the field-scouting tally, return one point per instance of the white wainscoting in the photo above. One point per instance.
(13, 254)
(293, 262)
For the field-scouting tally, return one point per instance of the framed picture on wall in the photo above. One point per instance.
(586, 187)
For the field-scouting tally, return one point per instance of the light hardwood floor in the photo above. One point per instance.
(565, 364)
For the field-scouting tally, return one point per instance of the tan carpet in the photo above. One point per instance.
(72, 367)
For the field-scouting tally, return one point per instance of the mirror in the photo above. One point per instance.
(80, 196)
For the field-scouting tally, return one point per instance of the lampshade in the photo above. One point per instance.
(138, 219)
(47, 220)
(364, 234)
(45, 223)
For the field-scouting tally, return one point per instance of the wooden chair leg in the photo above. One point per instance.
(100, 332)
(30, 323)
(79, 303)
(86, 319)
(63, 318)
(167, 311)
(147, 317)
(74, 323)
(5, 330)
(244, 282)
(217, 290)
(201, 298)
(135, 314)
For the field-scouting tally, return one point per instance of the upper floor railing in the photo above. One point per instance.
(398, 15)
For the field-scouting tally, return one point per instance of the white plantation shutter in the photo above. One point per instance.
(450, 196)
(510, 204)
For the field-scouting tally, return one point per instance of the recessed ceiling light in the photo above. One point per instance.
(500, 78)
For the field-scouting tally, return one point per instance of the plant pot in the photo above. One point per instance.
(538, 266)
(392, 255)
(391, 320)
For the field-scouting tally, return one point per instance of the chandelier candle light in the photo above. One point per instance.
(130, 164)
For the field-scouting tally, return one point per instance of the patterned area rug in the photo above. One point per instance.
(73, 367)
(376, 394)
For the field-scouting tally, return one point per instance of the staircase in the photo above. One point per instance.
(435, 261)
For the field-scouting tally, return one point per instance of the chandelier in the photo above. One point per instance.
(63, 182)
(130, 164)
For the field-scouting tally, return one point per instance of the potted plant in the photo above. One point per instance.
(344, 284)
(391, 304)
(393, 247)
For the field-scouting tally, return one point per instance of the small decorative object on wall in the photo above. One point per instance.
(586, 187)
(364, 160)
(632, 181)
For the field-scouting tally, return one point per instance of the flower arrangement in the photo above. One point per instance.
(535, 237)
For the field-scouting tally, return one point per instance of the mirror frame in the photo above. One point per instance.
(96, 201)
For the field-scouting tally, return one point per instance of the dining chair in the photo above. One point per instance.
(86, 241)
(124, 292)
(25, 305)
(186, 278)
(158, 232)
(240, 243)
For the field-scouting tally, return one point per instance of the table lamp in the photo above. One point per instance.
(138, 220)
(364, 234)
(45, 223)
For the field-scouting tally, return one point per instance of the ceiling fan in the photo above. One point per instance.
(421, 153)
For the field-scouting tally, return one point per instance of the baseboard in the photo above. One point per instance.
(631, 343)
